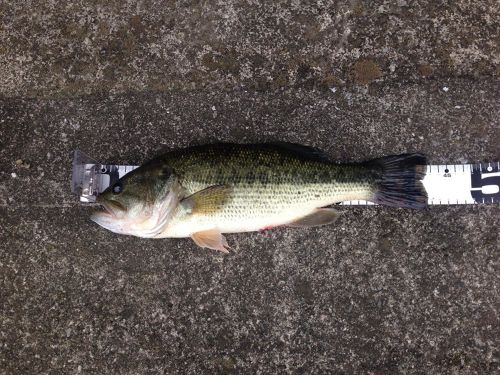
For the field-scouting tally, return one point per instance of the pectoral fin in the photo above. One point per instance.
(320, 216)
(207, 200)
(213, 239)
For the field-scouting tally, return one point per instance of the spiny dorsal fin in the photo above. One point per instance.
(207, 200)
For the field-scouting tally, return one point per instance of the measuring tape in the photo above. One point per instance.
(445, 184)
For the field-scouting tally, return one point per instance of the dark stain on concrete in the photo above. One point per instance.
(366, 71)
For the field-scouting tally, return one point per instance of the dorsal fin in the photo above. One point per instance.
(295, 149)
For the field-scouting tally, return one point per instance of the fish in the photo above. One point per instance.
(206, 191)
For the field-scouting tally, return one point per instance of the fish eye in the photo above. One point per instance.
(117, 188)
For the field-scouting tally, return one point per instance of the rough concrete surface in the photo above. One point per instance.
(385, 291)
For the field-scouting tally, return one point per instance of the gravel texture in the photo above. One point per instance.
(384, 291)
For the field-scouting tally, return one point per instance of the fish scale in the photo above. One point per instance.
(268, 187)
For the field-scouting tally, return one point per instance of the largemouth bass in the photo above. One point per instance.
(204, 191)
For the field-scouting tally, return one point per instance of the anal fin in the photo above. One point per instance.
(320, 216)
(212, 239)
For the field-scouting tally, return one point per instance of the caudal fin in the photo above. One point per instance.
(401, 182)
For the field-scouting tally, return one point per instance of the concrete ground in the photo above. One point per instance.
(384, 291)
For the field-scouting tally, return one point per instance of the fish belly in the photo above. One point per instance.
(262, 208)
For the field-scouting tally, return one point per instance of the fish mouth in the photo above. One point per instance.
(108, 210)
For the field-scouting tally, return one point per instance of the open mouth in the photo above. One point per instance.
(110, 208)
(110, 215)
(106, 209)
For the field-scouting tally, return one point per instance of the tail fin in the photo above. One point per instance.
(401, 182)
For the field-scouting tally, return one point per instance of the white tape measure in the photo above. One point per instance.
(445, 184)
